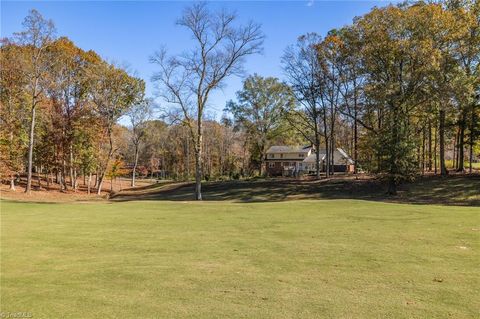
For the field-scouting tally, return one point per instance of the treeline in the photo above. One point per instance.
(401, 83)
(398, 89)
(405, 79)
(167, 152)
(59, 107)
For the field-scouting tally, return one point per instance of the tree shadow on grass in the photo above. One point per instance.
(463, 190)
(455, 190)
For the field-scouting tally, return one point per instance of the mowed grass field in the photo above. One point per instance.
(292, 259)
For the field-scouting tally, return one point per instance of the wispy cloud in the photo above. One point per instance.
(310, 3)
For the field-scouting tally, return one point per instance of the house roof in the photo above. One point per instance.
(345, 156)
(339, 156)
(288, 149)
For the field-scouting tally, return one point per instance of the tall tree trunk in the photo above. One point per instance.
(55, 165)
(30, 151)
(62, 180)
(327, 144)
(75, 180)
(471, 142)
(12, 175)
(327, 157)
(332, 141)
(198, 161)
(355, 127)
(455, 150)
(188, 158)
(392, 186)
(430, 166)
(107, 161)
(12, 182)
(135, 165)
(317, 156)
(435, 149)
(443, 169)
(393, 171)
(63, 176)
(423, 151)
(89, 183)
(263, 155)
(355, 145)
(72, 182)
(198, 175)
(263, 164)
(163, 167)
(461, 143)
(332, 152)
(100, 182)
(470, 159)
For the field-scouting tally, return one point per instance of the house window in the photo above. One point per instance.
(301, 155)
(281, 155)
(271, 164)
(271, 155)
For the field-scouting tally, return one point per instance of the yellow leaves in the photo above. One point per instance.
(333, 40)
(117, 168)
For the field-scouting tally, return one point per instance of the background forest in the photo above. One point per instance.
(398, 89)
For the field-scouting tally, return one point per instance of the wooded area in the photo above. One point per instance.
(399, 89)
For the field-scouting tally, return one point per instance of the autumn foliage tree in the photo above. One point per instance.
(37, 35)
(399, 88)
(113, 92)
(58, 106)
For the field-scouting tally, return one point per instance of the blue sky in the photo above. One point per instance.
(129, 32)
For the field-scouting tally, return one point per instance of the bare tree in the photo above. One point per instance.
(352, 84)
(219, 52)
(301, 65)
(139, 114)
(332, 67)
(38, 34)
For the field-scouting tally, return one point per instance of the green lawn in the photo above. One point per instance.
(293, 259)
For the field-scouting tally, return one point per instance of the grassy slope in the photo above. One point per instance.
(455, 190)
(296, 259)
